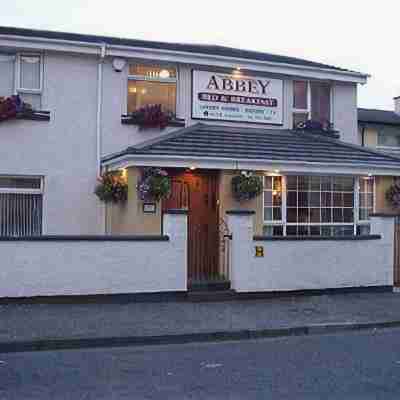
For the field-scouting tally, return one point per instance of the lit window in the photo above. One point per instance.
(366, 198)
(311, 100)
(21, 206)
(273, 206)
(151, 85)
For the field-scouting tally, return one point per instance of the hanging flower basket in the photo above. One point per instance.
(151, 116)
(13, 107)
(154, 185)
(393, 194)
(246, 186)
(112, 188)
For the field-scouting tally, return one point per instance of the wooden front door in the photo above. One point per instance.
(197, 191)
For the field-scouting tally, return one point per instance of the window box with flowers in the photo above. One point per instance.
(14, 108)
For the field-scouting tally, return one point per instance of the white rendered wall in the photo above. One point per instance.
(57, 268)
(310, 264)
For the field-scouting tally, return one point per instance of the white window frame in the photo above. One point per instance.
(23, 190)
(18, 88)
(138, 78)
(308, 110)
(283, 222)
(365, 221)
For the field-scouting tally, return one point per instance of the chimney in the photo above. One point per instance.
(397, 105)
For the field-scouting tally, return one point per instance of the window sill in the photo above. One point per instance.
(299, 238)
(35, 116)
(128, 120)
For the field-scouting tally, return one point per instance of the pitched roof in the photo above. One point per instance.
(378, 116)
(181, 47)
(219, 141)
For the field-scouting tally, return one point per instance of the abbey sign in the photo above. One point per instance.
(234, 97)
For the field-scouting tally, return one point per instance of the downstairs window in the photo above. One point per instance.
(21, 206)
(317, 205)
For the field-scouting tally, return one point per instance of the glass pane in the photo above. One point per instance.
(326, 198)
(315, 183)
(337, 199)
(347, 215)
(277, 183)
(389, 139)
(30, 72)
(291, 230)
(348, 184)
(315, 230)
(291, 199)
(303, 230)
(268, 230)
(326, 183)
(326, 231)
(19, 183)
(321, 102)
(326, 214)
(277, 214)
(152, 71)
(303, 199)
(337, 184)
(315, 199)
(337, 215)
(268, 182)
(267, 198)
(291, 214)
(267, 214)
(300, 95)
(278, 230)
(315, 215)
(303, 215)
(348, 199)
(142, 93)
(303, 183)
(291, 182)
(276, 198)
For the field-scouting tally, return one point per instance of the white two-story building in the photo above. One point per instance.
(232, 111)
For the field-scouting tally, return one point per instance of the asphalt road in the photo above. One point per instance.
(363, 365)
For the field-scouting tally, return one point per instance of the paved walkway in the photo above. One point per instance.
(40, 322)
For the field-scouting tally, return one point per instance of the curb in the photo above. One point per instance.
(86, 343)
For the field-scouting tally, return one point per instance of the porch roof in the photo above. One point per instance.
(220, 142)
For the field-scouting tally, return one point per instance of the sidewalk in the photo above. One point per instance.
(46, 326)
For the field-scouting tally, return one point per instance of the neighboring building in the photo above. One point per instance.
(380, 130)
(234, 110)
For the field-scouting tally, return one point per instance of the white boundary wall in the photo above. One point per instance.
(73, 267)
(310, 264)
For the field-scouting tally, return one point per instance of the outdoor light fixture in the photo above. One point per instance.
(164, 74)
(192, 168)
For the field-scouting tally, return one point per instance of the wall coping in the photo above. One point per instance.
(385, 215)
(86, 238)
(316, 238)
(240, 212)
(175, 211)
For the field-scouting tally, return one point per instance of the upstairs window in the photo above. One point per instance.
(389, 137)
(311, 100)
(150, 85)
(29, 73)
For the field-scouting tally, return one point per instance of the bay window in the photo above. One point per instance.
(311, 100)
(317, 205)
(151, 85)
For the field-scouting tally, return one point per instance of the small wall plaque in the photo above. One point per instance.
(149, 208)
(259, 251)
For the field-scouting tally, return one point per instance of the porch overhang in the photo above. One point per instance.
(283, 166)
(231, 148)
